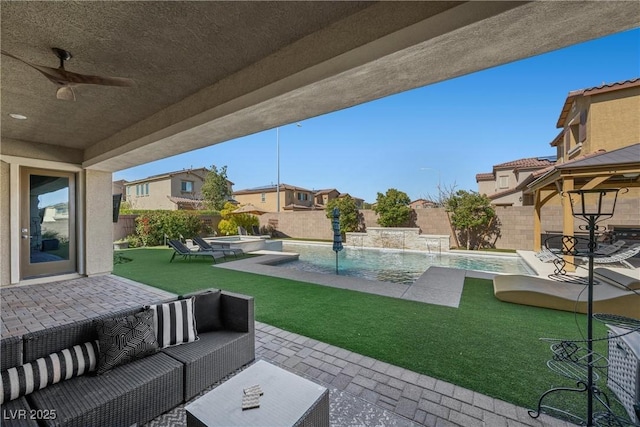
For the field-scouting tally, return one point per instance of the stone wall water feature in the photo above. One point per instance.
(399, 238)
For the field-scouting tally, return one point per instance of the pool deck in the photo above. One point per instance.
(437, 285)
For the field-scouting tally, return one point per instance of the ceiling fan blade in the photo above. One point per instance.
(86, 79)
(63, 77)
(66, 93)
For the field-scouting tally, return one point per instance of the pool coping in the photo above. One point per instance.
(438, 285)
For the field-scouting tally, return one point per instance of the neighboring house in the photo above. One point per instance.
(291, 197)
(506, 184)
(604, 117)
(358, 201)
(323, 197)
(422, 204)
(169, 191)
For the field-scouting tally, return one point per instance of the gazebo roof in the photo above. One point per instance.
(618, 167)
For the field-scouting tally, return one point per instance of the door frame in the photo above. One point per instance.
(15, 164)
(29, 269)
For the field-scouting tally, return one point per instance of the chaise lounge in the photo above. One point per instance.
(181, 249)
(539, 292)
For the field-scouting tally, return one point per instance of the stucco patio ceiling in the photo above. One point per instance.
(207, 72)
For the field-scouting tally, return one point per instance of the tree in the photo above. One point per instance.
(393, 208)
(215, 190)
(471, 214)
(229, 223)
(350, 217)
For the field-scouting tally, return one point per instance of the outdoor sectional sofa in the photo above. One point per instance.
(142, 389)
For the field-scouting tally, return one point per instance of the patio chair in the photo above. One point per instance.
(617, 257)
(181, 249)
(242, 231)
(609, 249)
(255, 230)
(546, 255)
(206, 246)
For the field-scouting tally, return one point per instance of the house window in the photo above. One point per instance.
(263, 197)
(142, 190)
(303, 196)
(186, 186)
(503, 181)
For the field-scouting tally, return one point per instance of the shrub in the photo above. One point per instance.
(229, 223)
(151, 227)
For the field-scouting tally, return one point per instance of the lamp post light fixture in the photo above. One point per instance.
(592, 206)
(278, 166)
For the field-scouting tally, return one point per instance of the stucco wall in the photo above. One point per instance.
(5, 226)
(98, 227)
(614, 121)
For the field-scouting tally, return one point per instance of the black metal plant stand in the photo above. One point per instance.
(570, 358)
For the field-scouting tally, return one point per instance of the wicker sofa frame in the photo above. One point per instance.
(139, 391)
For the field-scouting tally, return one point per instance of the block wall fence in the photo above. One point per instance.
(516, 223)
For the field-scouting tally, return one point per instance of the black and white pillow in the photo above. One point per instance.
(125, 339)
(70, 362)
(174, 323)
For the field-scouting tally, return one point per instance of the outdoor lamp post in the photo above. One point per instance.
(278, 166)
(592, 206)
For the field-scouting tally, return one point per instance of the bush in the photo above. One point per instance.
(393, 208)
(151, 227)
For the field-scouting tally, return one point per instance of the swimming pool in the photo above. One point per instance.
(393, 265)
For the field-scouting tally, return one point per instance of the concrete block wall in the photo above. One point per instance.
(516, 222)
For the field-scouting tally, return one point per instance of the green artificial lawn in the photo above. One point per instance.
(486, 345)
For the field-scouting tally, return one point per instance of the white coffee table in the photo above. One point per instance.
(288, 400)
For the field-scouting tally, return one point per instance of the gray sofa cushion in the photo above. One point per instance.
(133, 393)
(211, 358)
(207, 310)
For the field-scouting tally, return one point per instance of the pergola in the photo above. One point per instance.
(601, 170)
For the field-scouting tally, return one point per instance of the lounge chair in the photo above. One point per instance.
(546, 255)
(206, 246)
(539, 292)
(618, 279)
(617, 257)
(181, 249)
(242, 231)
(255, 230)
(610, 249)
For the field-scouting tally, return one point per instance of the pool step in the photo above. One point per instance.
(438, 285)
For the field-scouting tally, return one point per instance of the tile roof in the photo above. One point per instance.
(526, 163)
(566, 108)
(168, 175)
(488, 176)
(270, 188)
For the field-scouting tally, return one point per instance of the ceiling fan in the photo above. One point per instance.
(67, 79)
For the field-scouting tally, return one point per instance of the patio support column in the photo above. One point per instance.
(537, 223)
(567, 219)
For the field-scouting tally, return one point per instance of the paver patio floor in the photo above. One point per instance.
(363, 391)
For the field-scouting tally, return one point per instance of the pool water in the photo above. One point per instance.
(393, 265)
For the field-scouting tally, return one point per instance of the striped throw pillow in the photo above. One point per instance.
(174, 323)
(70, 362)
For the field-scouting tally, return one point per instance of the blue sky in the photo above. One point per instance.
(447, 131)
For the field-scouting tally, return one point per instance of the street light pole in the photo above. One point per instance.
(278, 166)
